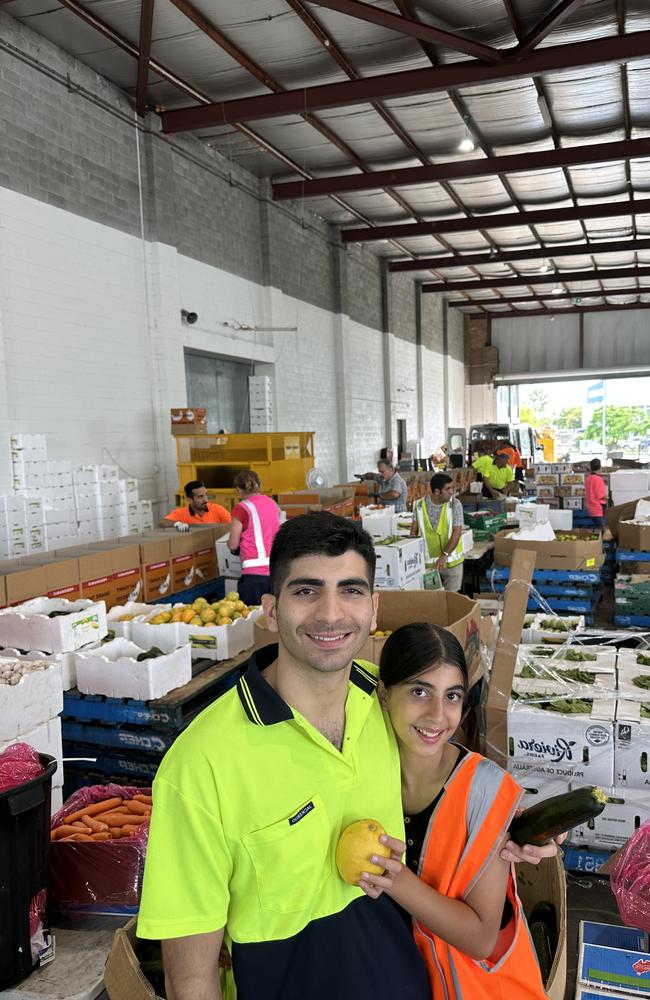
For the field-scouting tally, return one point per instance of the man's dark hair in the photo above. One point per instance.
(594, 465)
(195, 484)
(439, 481)
(318, 533)
(501, 454)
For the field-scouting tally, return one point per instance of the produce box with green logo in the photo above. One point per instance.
(561, 733)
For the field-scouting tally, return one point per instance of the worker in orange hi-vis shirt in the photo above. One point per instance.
(514, 458)
(198, 511)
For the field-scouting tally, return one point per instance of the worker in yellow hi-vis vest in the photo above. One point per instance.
(439, 520)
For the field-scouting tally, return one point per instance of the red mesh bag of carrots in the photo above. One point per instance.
(97, 850)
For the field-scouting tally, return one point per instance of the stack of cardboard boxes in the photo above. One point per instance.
(156, 566)
(559, 486)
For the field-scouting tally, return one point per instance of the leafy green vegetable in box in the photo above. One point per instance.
(642, 681)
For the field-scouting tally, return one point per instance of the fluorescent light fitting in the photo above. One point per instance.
(466, 145)
(558, 290)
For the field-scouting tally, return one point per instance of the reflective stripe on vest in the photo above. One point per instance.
(465, 830)
(262, 560)
(437, 539)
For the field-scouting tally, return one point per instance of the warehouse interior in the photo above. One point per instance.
(322, 236)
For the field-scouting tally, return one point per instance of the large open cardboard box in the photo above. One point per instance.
(635, 536)
(546, 883)
(579, 555)
(459, 614)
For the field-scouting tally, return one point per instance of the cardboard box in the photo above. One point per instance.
(572, 503)
(612, 956)
(578, 748)
(626, 809)
(455, 612)
(113, 670)
(28, 626)
(189, 420)
(205, 556)
(399, 563)
(3, 592)
(123, 977)
(572, 479)
(633, 535)
(546, 492)
(127, 574)
(228, 564)
(505, 655)
(632, 679)
(621, 512)
(631, 746)
(155, 560)
(181, 549)
(62, 579)
(37, 698)
(546, 883)
(22, 582)
(547, 479)
(578, 555)
(96, 572)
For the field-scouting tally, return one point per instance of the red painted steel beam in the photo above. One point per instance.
(501, 220)
(601, 152)
(166, 74)
(512, 314)
(527, 279)
(416, 29)
(539, 253)
(598, 294)
(553, 20)
(144, 52)
(599, 51)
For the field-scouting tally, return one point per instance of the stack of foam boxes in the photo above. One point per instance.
(31, 700)
(260, 395)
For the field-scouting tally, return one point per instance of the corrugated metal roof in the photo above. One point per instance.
(256, 47)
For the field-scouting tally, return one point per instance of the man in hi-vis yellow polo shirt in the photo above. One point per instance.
(250, 802)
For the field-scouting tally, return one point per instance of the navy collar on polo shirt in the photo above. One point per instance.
(263, 705)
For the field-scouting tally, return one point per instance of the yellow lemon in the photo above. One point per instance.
(208, 615)
(187, 615)
(356, 844)
(195, 621)
(232, 595)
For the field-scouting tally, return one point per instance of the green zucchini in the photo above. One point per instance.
(543, 947)
(540, 823)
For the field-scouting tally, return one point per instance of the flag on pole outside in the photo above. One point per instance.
(596, 392)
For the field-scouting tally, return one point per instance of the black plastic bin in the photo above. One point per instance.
(24, 843)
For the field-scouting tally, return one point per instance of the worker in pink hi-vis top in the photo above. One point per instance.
(255, 523)
(595, 495)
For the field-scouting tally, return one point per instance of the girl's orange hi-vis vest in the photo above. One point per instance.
(465, 830)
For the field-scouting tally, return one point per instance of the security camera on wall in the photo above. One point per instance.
(189, 317)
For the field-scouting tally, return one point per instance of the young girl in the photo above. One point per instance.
(467, 919)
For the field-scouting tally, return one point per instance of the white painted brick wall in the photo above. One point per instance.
(365, 370)
(73, 312)
(92, 343)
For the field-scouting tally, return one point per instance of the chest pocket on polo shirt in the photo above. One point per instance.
(291, 857)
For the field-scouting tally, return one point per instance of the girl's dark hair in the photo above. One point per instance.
(412, 649)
